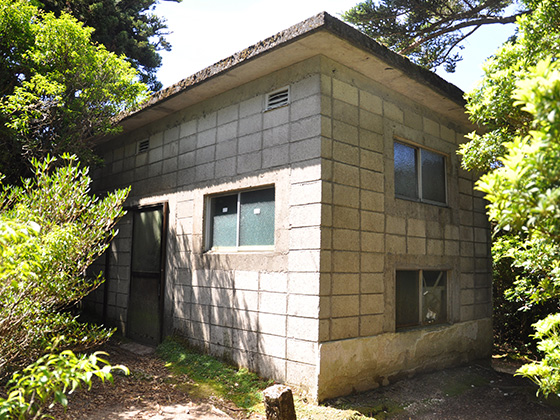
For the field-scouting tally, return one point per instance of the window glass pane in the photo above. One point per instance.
(434, 297)
(224, 221)
(256, 225)
(407, 299)
(146, 246)
(433, 176)
(406, 173)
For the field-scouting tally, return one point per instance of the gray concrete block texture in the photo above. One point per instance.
(370, 224)
(340, 233)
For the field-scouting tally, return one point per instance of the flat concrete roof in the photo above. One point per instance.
(321, 34)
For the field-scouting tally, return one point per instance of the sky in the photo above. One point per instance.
(204, 32)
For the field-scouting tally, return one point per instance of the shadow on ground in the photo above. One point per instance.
(151, 391)
(471, 392)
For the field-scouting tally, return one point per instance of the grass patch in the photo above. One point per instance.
(213, 377)
(203, 376)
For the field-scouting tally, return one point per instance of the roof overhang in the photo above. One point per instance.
(319, 35)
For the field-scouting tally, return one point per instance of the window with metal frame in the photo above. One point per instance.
(419, 174)
(242, 220)
(421, 298)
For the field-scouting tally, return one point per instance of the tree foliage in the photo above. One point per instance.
(127, 28)
(49, 380)
(51, 230)
(57, 88)
(512, 316)
(491, 104)
(546, 373)
(430, 32)
(524, 202)
(524, 192)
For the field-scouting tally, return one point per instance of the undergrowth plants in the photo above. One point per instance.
(239, 385)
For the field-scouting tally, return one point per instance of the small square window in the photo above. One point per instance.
(419, 174)
(421, 298)
(242, 220)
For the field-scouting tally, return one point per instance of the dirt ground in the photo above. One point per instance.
(477, 391)
(149, 392)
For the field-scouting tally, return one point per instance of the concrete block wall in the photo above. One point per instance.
(258, 309)
(340, 234)
(368, 235)
(354, 197)
(117, 279)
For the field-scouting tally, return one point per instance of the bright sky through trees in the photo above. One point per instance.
(206, 31)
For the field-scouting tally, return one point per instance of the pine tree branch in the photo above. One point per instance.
(478, 22)
(456, 43)
(473, 13)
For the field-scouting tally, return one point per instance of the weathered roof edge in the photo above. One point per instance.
(414, 71)
(321, 21)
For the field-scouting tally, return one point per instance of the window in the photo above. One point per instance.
(242, 220)
(419, 174)
(421, 298)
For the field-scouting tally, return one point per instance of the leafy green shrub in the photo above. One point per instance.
(512, 317)
(546, 373)
(524, 204)
(51, 230)
(48, 381)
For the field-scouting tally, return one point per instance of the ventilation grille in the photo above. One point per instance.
(278, 98)
(143, 146)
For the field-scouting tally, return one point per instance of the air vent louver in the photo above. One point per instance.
(143, 146)
(278, 98)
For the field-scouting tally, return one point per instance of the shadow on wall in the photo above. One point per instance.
(216, 308)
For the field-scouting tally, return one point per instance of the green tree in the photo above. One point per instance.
(58, 89)
(524, 196)
(524, 191)
(429, 32)
(51, 230)
(127, 28)
(491, 103)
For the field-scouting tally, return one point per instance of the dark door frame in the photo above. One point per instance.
(163, 258)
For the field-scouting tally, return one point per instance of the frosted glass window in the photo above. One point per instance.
(224, 221)
(243, 219)
(433, 176)
(256, 226)
(424, 181)
(406, 171)
(421, 298)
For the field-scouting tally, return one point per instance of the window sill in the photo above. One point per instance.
(413, 200)
(244, 250)
(423, 327)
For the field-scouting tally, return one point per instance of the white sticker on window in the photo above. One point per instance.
(257, 211)
(225, 210)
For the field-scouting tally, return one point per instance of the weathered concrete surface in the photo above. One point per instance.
(359, 364)
(279, 403)
(340, 232)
